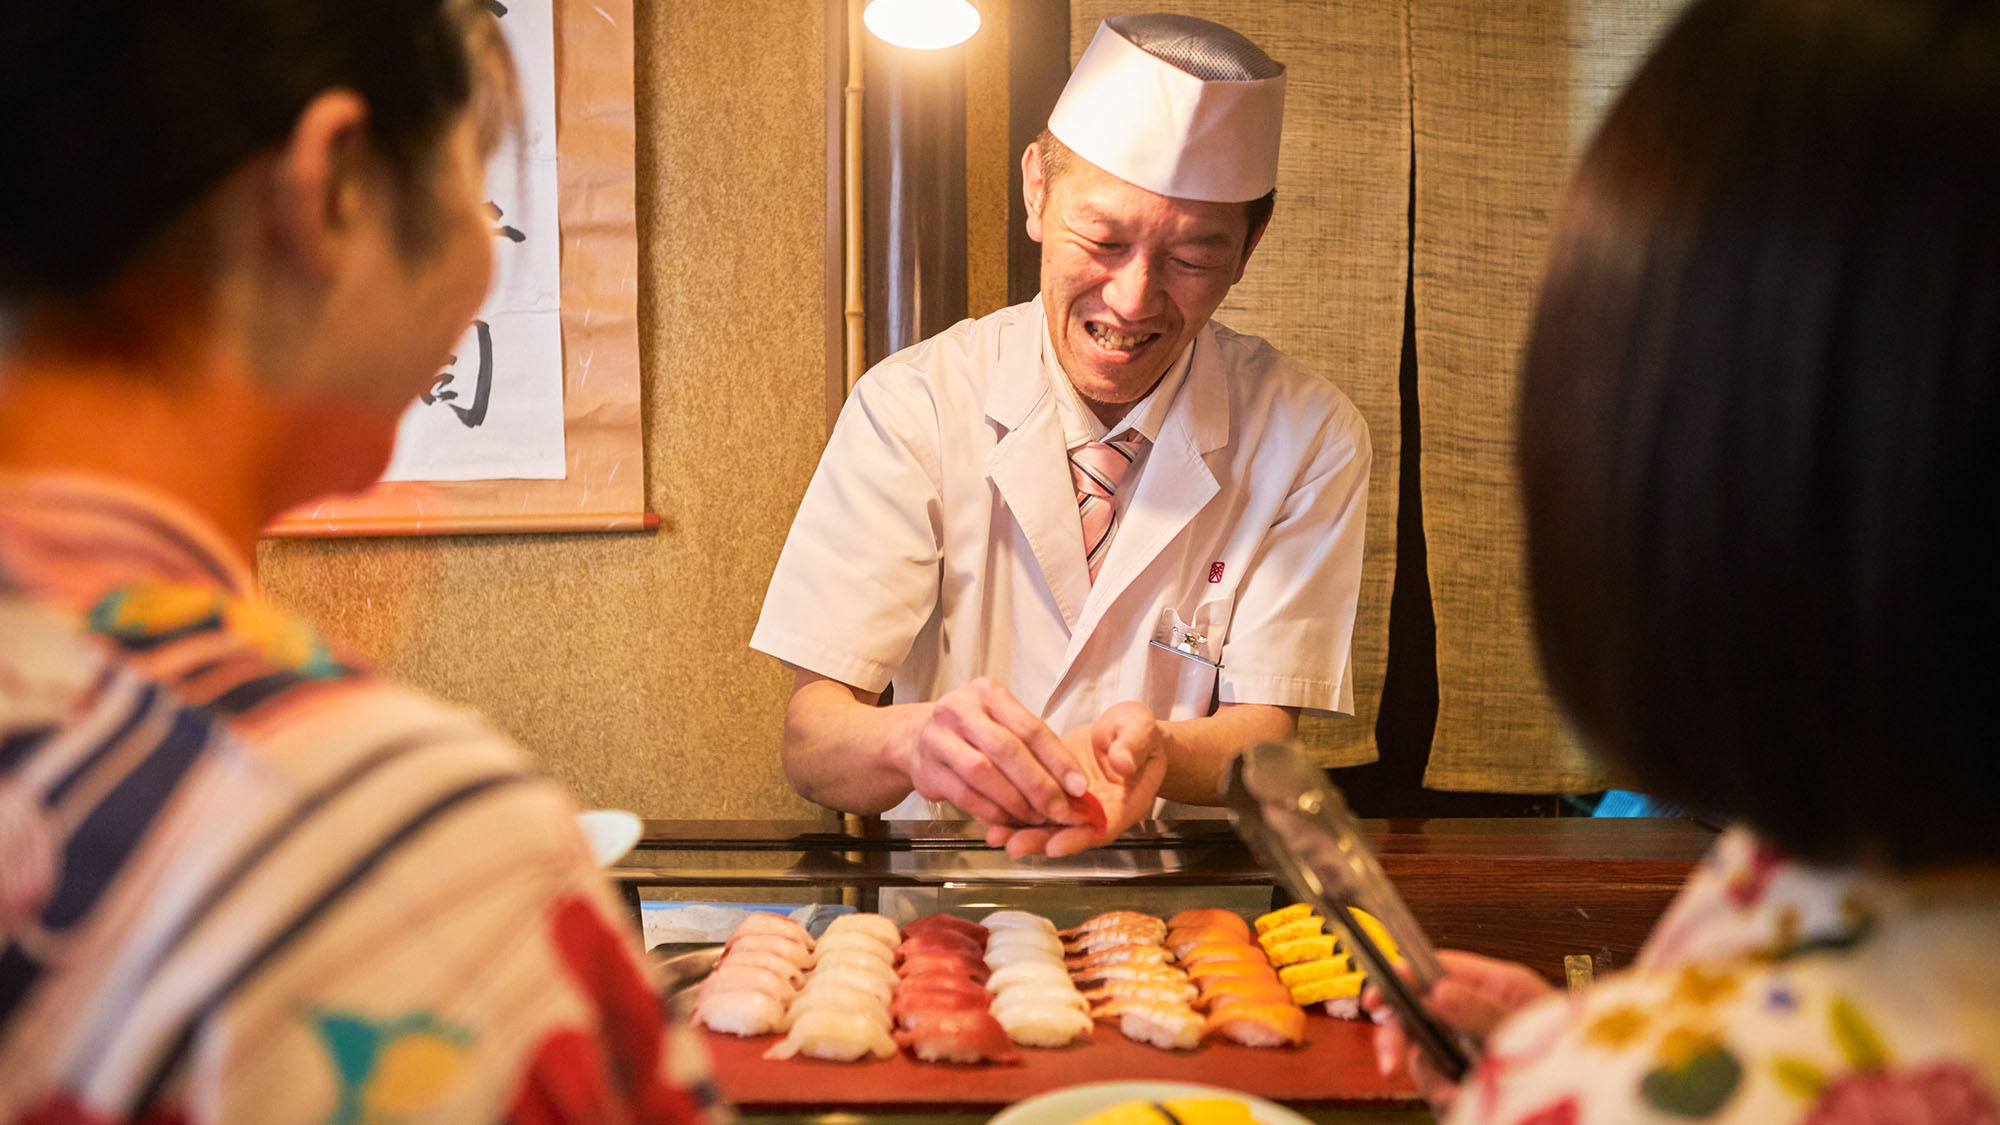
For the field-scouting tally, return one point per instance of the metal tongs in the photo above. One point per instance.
(1299, 827)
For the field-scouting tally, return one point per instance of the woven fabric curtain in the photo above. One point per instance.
(1326, 284)
(1504, 96)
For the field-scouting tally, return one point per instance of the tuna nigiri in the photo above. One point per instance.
(962, 1036)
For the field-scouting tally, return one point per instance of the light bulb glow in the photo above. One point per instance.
(926, 25)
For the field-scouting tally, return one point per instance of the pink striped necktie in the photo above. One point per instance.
(1096, 468)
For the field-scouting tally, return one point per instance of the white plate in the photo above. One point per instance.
(1074, 1103)
(611, 833)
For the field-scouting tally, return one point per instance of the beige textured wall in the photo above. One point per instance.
(620, 661)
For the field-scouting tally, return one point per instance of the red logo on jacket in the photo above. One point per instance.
(1215, 571)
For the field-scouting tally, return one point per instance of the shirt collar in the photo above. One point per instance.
(1081, 425)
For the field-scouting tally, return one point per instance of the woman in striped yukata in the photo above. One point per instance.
(242, 879)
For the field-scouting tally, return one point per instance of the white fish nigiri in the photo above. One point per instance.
(859, 961)
(1027, 972)
(742, 1012)
(876, 926)
(865, 943)
(835, 1035)
(1043, 1026)
(1011, 940)
(1172, 1026)
(1016, 920)
(1040, 995)
(855, 1000)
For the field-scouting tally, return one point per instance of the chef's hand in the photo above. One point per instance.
(1474, 996)
(1125, 753)
(983, 751)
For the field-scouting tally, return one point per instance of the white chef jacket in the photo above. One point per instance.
(939, 540)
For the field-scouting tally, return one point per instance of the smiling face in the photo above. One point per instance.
(1128, 276)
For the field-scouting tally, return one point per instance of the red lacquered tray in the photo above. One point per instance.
(1334, 1066)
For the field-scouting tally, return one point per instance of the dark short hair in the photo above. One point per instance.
(116, 117)
(1760, 426)
(1058, 158)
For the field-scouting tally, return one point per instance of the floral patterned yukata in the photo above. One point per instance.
(1772, 992)
(242, 880)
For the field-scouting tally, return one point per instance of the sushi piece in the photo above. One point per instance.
(1182, 940)
(855, 942)
(963, 1036)
(1121, 955)
(942, 981)
(1042, 1025)
(1242, 988)
(874, 925)
(852, 1000)
(945, 922)
(1341, 995)
(1158, 991)
(1222, 921)
(775, 925)
(1267, 922)
(1116, 919)
(1307, 927)
(1099, 940)
(1042, 994)
(1301, 949)
(785, 947)
(1175, 1027)
(741, 1012)
(843, 978)
(1225, 969)
(746, 978)
(1306, 972)
(1040, 940)
(856, 959)
(1015, 920)
(785, 970)
(836, 1036)
(945, 962)
(1107, 974)
(911, 1003)
(1028, 972)
(1257, 1023)
(939, 941)
(1211, 952)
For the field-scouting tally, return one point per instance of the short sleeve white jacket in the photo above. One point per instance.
(939, 539)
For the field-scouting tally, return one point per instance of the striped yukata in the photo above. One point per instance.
(243, 881)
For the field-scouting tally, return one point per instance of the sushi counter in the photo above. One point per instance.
(1539, 891)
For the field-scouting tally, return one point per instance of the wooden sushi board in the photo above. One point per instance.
(1334, 1066)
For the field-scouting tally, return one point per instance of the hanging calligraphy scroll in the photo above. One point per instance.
(534, 425)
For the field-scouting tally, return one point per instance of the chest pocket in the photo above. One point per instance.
(1180, 678)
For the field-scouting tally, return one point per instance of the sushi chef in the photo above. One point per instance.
(1094, 544)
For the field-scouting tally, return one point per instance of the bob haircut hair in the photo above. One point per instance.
(1759, 428)
(116, 118)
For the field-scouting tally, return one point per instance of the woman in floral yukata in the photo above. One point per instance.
(241, 879)
(1760, 446)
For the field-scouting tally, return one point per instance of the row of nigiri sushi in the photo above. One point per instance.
(1311, 963)
(1171, 983)
(937, 987)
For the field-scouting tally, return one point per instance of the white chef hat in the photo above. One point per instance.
(1176, 105)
